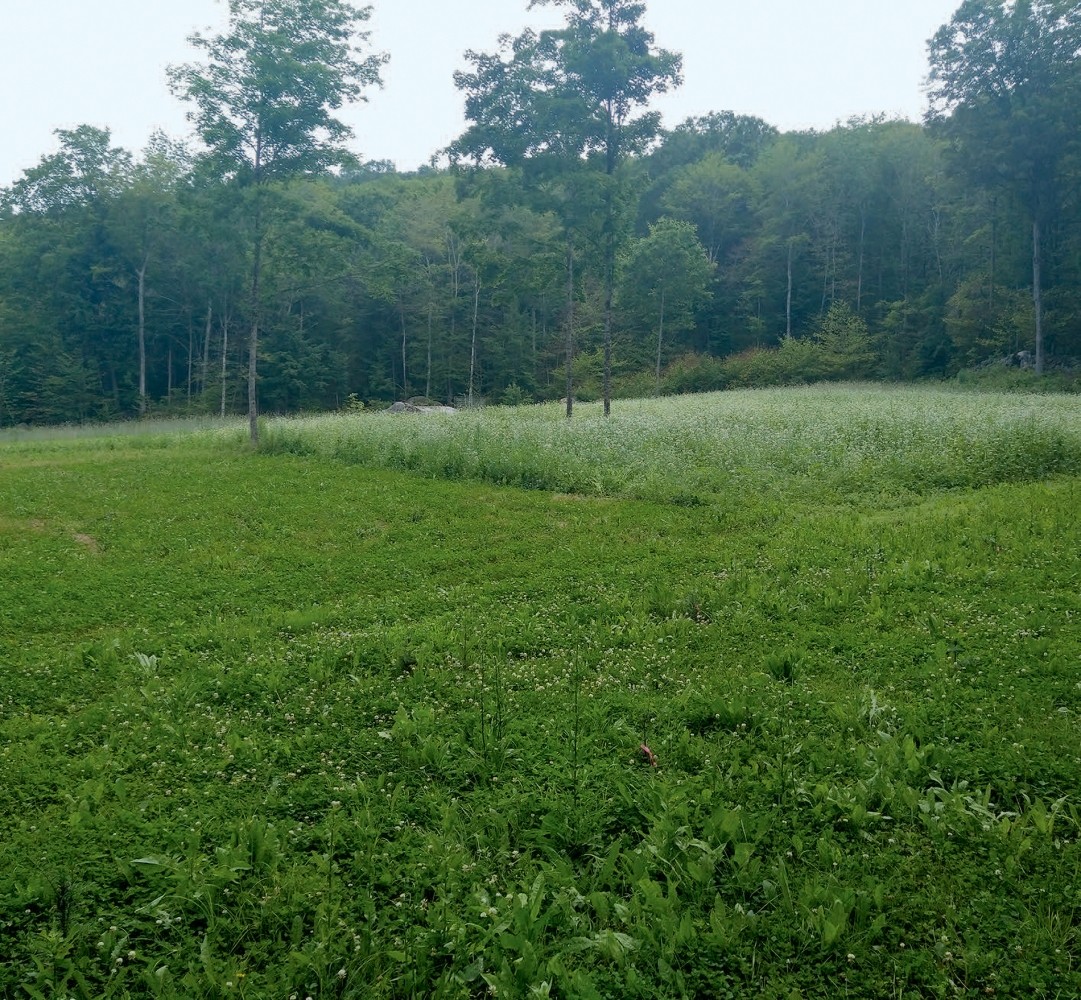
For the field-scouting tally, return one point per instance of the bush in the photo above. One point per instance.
(694, 373)
(795, 362)
(515, 395)
(1001, 377)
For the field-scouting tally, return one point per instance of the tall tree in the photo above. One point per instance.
(263, 105)
(1006, 91)
(716, 196)
(573, 95)
(740, 139)
(85, 173)
(144, 216)
(786, 176)
(666, 276)
(68, 279)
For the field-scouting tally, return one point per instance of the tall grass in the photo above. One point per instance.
(826, 441)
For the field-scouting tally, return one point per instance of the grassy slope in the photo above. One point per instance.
(269, 719)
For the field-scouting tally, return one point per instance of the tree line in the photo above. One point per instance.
(566, 247)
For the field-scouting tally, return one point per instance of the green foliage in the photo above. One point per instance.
(265, 96)
(1002, 377)
(976, 333)
(85, 171)
(276, 724)
(515, 395)
(567, 106)
(784, 665)
(846, 343)
(131, 285)
(1006, 83)
(840, 349)
(717, 197)
(264, 101)
(664, 281)
(567, 93)
(794, 362)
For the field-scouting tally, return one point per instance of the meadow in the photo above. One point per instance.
(769, 694)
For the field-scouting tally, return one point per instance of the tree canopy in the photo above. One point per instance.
(266, 94)
(263, 106)
(1006, 92)
(266, 258)
(569, 99)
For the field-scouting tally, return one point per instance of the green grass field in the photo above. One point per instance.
(362, 714)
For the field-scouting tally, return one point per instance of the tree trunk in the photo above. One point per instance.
(473, 344)
(825, 283)
(204, 367)
(142, 338)
(253, 345)
(428, 382)
(570, 330)
(994, 264)
(609, 281)
(1037, 293)
(904, 260)
(256, 275)
(454, 262)
(191, 356)
(405, 374)
(788, 296)
(609, 259)
(660, 341)
(533, 355)
(224, 357)
(859, 272)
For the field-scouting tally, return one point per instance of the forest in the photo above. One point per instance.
(565, 246)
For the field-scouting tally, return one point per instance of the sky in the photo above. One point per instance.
(796, 63)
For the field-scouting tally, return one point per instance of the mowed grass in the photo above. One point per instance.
(286, 724)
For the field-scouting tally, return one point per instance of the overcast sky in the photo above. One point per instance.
(796, 63)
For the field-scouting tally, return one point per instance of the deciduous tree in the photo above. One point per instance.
(666, 276)
(264, 102)
(573, 97)
(1006, 91)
